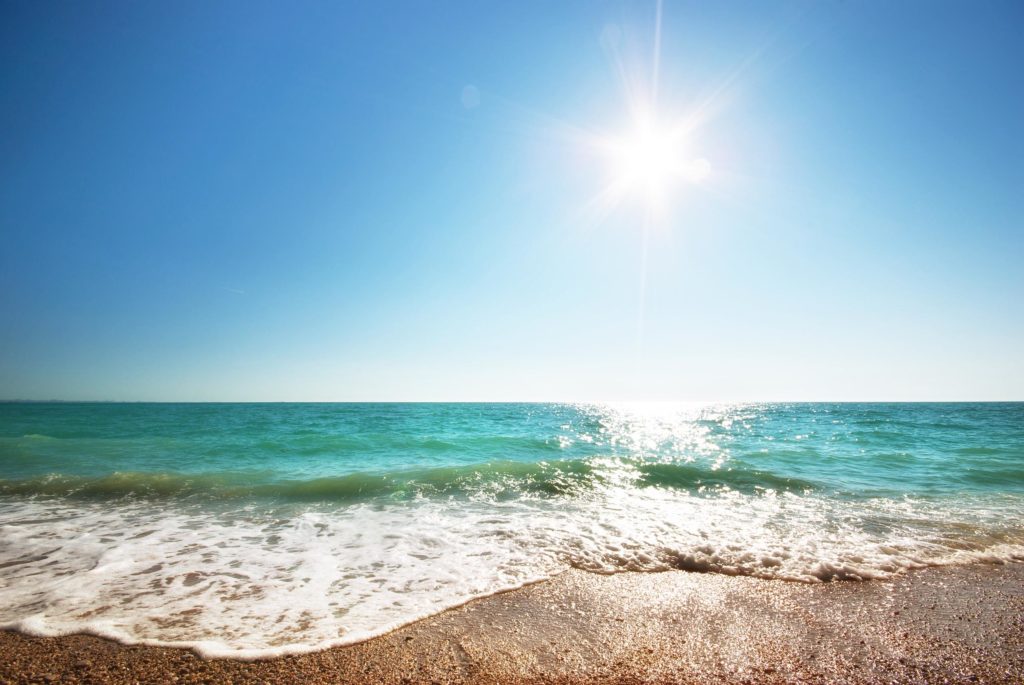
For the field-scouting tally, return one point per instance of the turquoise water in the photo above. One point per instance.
(259, 529)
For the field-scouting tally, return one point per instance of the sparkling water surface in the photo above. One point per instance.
(260, 529)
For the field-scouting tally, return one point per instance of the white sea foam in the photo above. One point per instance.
(258, 582)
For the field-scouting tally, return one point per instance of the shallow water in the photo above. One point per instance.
(260, 529)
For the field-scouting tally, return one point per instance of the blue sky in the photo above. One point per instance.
(292, 201)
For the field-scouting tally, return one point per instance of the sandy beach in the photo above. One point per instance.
(955, 624)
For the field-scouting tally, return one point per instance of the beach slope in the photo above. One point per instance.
(955, 624)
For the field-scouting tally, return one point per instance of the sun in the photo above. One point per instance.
(651, 162)
(647, 159)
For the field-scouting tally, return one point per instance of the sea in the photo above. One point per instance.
(257, 530)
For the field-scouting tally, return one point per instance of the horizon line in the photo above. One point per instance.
(525, 401)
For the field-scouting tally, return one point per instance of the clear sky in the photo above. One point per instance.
(512, 201)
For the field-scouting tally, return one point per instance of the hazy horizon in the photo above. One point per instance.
(638, 403)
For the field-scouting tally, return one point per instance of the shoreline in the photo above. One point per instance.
(956, 624)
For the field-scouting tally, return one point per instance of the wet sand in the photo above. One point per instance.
(958, 625)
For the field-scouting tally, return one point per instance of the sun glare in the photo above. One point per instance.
(651, 161)
(647, 159)
(653, 164)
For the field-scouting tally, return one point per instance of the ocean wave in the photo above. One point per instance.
(253, 531)
(498, 479)
(256, 582)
